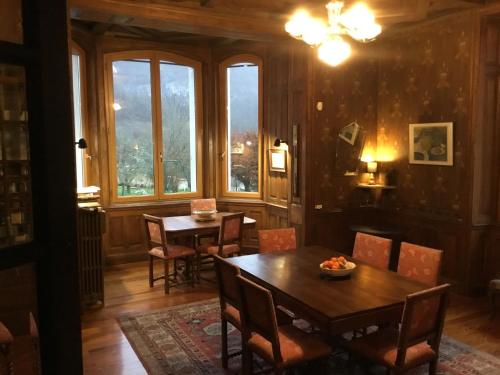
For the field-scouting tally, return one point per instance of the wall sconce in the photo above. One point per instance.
(371, 168)
(278, 142)
(82, 143)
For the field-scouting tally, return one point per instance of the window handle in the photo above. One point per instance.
(222, 155)
(161, 157)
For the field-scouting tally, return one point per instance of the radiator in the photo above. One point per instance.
(91, 226)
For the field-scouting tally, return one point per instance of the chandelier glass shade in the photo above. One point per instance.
(358, 22)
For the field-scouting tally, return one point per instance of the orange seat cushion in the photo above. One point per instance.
(212, 249)
(232, 315)
(173, 251)
(296, 346)
(381, 347)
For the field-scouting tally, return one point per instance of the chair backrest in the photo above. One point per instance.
(231, 228)
(258, 314)
(203, 204)
(420, 263)
(229, 291)
(277, 239)
(423, 320)
(155, 232)
(372, 249)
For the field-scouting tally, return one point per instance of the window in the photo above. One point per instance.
(241, 89)
(155, 117)
(77, 64)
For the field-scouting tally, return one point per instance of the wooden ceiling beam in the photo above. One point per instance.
(166, 17)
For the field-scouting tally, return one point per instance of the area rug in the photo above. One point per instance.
(185, 340)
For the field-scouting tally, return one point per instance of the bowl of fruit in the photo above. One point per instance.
(204, 215)
(337, 267)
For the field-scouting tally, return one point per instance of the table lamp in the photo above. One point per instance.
(371, 167)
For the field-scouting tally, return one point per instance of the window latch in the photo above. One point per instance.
(161, 157)
(222, 155)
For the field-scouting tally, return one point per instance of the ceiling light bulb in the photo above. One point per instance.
(358, 15)
(297, 23)
(334, 52)
(315, 32)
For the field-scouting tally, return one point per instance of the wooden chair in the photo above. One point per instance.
(229, 242)
(159, 248)
(416, 342)
(203, 204)
(280, 239)
(22, 325)
(280, 346)
(494, 292)
(230, 303)
(420, 263)
(373, 250)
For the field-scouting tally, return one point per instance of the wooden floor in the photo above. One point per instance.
(107, 351)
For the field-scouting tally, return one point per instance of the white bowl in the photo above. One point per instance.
(204, 215)
(349, 267)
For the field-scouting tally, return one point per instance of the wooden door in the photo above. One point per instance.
(38, 259)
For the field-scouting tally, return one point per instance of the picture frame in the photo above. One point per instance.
(277, 160)
(431, 143)
(349, 133)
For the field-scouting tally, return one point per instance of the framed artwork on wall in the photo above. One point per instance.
(431, 143)
(349, 133)
(277, 160)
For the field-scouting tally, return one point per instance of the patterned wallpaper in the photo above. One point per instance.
(421, 74)
(348, 93)
(424, 76)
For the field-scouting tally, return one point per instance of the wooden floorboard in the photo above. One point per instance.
(107, 351)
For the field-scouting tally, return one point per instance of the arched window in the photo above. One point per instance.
(154, 112)
(241, 115)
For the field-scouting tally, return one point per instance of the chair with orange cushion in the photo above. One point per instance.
(280, 346)
(229, 242)
(229, 297)
(420, 263)
(6, 340)
(373, 250)
(203, 204)
(280, 239)
(416, 342)
(159, 248)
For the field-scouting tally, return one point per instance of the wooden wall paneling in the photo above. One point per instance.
(486, 131)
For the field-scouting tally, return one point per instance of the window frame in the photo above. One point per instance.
(77, 50)
(241, 58)
(156, 118)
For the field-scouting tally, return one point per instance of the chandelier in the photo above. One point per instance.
(358, 22)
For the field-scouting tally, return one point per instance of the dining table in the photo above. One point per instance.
(186, 226)
(368, 296)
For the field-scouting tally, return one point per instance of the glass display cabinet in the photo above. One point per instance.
(15, 186)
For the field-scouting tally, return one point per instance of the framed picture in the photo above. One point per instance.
(277, 160)
(431, 143)
(349, 133)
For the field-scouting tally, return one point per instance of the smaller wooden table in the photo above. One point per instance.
(184, 226)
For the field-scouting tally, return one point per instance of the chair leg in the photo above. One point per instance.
(175, 268)
(223, 336)
(198, 266)
(433, 366)
(151, 278)
(165, 263)
(190, 270)
(247, 360)
(493, 304)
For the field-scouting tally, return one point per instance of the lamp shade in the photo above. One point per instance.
(371, 167)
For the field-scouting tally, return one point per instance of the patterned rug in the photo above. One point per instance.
(185, 340)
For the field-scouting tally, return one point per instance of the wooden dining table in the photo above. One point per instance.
(185, 226)
(368, 296)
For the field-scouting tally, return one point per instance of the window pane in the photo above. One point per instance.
(179, 127)
(133, 127)
(77, 113)
(243, 127)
